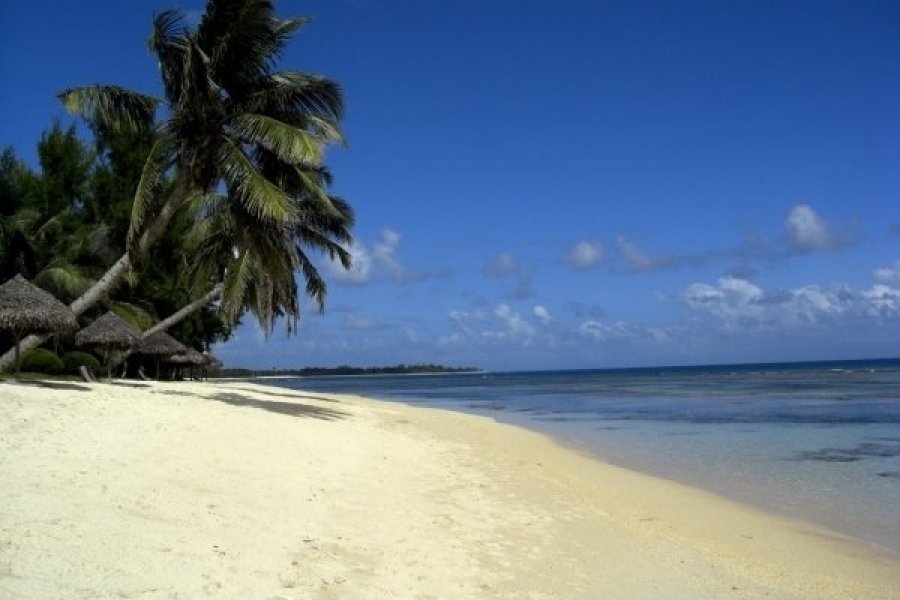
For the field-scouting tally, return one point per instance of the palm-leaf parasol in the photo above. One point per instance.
(26, 308)
(109, 332)
(212, 361)
(191, 358)
(159, 344)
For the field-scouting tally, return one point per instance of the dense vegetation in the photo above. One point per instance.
(213, 191)
(63, 225)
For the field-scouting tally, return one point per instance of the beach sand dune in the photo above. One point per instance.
(234, 490)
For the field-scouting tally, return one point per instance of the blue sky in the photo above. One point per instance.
(572, 184)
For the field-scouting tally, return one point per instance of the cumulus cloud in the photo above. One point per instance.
(585, 255)
(501, 265)
(379, 263)
(360, 271)
(807, 231)
(637, 259)
(882, 300)
(619, 331)
(889, 275)
(502, 325)
(740, 304)
(543, 315)
(516, 326)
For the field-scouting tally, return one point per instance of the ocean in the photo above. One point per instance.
(817, 441)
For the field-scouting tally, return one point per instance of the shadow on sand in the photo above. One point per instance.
(283, 408)
(132, 385)
(295, 396)
(55, 385)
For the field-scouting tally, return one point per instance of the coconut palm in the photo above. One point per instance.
(230, 119)
(247, 264)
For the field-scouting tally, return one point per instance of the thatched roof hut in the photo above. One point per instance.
(212, 361)
(26, 308)
(109, 332)
(159, 344)
(191, 357)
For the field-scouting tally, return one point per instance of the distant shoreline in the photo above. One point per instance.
(348, 371)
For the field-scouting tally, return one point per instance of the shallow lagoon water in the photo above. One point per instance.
(815, 441)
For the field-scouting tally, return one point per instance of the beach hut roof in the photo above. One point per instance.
(191, 357)
(24, 307)
(109, 330)
(212, 361)
(160, 343)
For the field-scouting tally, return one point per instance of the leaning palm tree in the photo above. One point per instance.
(246, 264)
(231, 120)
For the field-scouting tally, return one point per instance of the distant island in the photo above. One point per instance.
(346, 370)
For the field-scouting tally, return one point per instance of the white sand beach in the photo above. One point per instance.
(235, 490)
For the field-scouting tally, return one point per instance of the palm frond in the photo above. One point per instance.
(148, 186)
(63, 280)
(168, 40)
(283, 31)
(234, 287)
(316, 288)
(112, 105)
(290, 144)
(296, 92)
(326, 129)
(132, 314)
(260, 196)
(241, 39)
(322, 243)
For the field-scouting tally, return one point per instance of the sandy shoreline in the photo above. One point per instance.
(235, 490)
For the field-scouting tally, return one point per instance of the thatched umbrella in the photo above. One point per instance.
(191, 358)
(26, 308)
(107, 333)
(159, 344)
(212, 361)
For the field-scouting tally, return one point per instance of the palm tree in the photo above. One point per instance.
(246, 264)
(231, 120)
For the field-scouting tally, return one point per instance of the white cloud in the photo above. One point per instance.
(740, 304)
(637, 259)
(542, 314)
(501, 265)
(516, 326)
(360, 271)
(809, 232)
(889, 275)
(380, 262)
(882, 300)
(585, 255)
(806, 229)
(603, 332)
(619, 331)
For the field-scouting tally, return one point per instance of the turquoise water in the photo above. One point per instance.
(815, 441)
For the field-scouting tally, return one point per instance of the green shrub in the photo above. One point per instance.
(42, 360)
(73, 360)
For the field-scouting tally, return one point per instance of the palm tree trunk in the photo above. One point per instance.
(194, 306)
(114, 275)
